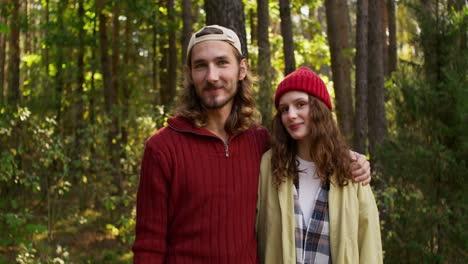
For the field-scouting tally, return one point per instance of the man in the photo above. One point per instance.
(199, 175)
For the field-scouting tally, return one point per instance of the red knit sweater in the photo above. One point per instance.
(197, 196)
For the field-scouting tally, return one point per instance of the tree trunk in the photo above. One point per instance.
(376, 108)
(155, 77)
(253, 35)
(79, 122)
(59, 79)
(287, 34)
(187, 28)
(105, 64)
(360, 117)
(172, 67)
(45, 49)
(264, 68)
(13, 86)
(338, 39)
(110, 97)
(3, 40)
(114, 137)
(27, 32)
(230, 14)
(392, 44)
(94, 69)
(169, 60)
(384, 25)
(126, 93)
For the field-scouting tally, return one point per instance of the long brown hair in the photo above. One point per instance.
(243, 113)
(328, 149)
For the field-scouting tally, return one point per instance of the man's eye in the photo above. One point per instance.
(223, 62)
(199, 66)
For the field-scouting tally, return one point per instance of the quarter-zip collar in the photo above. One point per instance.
(182, 124)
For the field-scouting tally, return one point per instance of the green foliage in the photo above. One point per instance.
(59, 201)
(425, 159)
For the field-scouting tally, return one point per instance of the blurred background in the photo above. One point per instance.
(84, 83)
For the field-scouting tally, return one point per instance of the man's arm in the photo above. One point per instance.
(152, 199)
(360, 168)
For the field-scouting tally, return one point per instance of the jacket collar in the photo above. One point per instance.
(182, 124)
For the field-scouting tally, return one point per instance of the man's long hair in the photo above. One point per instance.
(328, 149)
(243, 113)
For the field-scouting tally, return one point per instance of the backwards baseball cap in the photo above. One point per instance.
(215, 32)
(304, 80)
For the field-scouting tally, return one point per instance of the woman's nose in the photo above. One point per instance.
(292, 114)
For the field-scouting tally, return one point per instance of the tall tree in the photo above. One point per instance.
(3, 41)
(376, 106)
(155, 40)
(59, 75)
(125, 80)
(114, 133)
(45, 47)
(360, 117)
(338, 39)
(384, 24)
(169, 60)
(27, 31)
(264, 64)
(14, 55)
(287, 34)
(187, 27)
(392, 42)
(110, 95)
(80, 79)
(230, 14)
(172, 66)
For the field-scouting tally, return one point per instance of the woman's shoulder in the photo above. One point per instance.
(267, 155)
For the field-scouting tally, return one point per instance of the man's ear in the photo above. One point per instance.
(243, 67)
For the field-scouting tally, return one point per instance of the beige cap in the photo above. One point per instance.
(214, 32)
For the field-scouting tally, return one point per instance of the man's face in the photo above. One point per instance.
(215, 72)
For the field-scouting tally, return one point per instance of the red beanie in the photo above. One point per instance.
(304, 80)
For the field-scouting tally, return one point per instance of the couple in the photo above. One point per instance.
(200, 198)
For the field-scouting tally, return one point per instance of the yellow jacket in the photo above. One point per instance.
(353, 214)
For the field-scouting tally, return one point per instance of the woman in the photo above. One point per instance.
(308, 209)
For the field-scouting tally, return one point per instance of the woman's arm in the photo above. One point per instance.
(369, 240)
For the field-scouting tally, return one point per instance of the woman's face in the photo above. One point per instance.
(295, 109)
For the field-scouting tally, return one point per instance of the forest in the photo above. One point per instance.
(84, 83)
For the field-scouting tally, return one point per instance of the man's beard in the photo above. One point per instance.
(211, 102)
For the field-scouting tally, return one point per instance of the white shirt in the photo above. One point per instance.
(309, 185)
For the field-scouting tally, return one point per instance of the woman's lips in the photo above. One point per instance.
(295, 127)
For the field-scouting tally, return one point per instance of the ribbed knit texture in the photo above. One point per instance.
(304, 80)
(194, 204)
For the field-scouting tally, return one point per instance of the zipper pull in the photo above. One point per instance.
(226, 150)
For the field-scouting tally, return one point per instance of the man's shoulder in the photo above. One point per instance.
(258, 129)
(160, 138)
(261, 135)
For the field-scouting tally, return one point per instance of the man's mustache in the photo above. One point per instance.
(210, 86)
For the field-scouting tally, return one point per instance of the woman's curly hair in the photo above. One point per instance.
(243, 114)
(328, 149)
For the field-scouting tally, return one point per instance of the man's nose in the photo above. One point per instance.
(213, 74)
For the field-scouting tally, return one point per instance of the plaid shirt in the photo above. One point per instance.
(313, 236)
